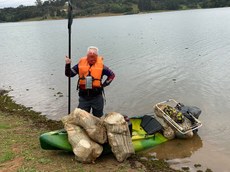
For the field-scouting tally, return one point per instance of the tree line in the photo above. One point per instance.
(51, 9)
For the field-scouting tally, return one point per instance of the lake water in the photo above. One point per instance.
(183, 55)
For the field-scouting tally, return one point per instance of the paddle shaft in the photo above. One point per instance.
(70, 20)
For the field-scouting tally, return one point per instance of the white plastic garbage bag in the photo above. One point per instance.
(85, 149)
(93, 126)
(118, 136)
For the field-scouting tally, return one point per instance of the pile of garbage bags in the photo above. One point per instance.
(87, 134)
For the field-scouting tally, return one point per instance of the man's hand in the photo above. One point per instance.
(67, 60)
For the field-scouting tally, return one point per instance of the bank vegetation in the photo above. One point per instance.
(57, 9)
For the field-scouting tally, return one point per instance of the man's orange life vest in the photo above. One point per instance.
(95, 71)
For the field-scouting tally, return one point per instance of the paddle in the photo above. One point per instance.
(70, 21)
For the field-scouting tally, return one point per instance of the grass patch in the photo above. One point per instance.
(6, 156)
(44, 160)
(27, 169)
(4, 126)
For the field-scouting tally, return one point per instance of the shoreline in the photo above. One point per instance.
(101, 15)
(20, 148)
(9, 106)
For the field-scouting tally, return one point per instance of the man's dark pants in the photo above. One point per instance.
(95, 103)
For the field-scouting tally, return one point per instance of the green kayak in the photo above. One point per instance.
(146, 133)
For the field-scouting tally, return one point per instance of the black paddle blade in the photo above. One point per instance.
(70, 15)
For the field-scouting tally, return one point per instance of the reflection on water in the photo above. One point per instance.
(182, 55)
(177, 148)
(190, 153)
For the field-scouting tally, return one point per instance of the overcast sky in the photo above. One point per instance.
(15, 3)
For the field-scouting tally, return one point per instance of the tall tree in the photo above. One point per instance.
(38, 3)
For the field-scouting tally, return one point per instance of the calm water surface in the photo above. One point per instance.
(183, 55)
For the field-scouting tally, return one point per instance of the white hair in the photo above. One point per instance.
(94, 48)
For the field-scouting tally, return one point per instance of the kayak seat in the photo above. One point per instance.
(150, 125)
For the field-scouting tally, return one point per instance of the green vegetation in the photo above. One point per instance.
(56, 9)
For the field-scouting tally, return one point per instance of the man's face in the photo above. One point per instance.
(91, 58)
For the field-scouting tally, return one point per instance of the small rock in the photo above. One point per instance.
(185, 168)
(197, 165)
(153, 154)
(144, 158)
(2, 92)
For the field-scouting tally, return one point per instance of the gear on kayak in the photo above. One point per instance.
(126, 135)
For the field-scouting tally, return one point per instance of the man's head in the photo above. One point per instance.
(92, 53)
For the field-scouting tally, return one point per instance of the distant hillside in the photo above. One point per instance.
(54, 9)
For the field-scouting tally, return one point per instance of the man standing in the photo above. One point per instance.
(90, 70)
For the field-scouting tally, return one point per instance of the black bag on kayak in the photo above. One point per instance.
(187, 111)
(150, 124)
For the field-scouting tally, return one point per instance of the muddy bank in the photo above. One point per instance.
(8, 105)
(22, 151)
